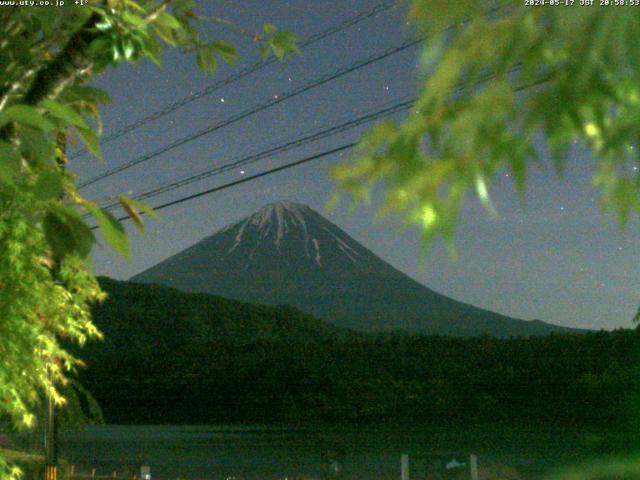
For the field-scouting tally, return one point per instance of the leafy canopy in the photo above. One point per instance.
(46, 288)
(498, 74)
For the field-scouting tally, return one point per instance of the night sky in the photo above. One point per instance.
(556, 258)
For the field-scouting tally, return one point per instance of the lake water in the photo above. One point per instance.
(267, 452)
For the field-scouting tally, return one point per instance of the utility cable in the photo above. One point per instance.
(256, 109)
(318, 135)
(288, 165)
(247, 179)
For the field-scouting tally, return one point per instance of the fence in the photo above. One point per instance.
(90, 474)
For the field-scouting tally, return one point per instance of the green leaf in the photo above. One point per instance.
(49, 185)
(35, 145)
(482, 190)
(84, 93)
(167, 21)
(186, 34)
(165, 33)
(102, 50)
(184, 5)
(129, 50)
(133, 208)
(66, 232)
(28, 116)
(104, 24)
(270, 28)
(64, 113)
(278, 51)
(284, 43)
(143, 207)
(226, 51)
(152, 49)
(207, 60)
(519, 170)
(112, 230)
(91, 140)
(264, 50)
(9, 162)
(134, 20)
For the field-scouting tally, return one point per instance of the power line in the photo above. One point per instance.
(256, 109)
(172, 107)
(265, 173)
(318, 135)
(247, 179)
(279, 98)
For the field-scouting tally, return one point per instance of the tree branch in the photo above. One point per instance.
(5, 94)
(62, 70)
(255, 36)
(66, 66)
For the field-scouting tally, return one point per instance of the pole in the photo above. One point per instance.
(51, 451)
(473, 466)
(404, 467)
(51, 426)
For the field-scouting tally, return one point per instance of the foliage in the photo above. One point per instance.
(612, 469)
(497, 75)
(216, 360)
(30, 466)
(47, 57)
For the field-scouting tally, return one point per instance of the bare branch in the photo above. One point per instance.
(157, 11)
(5, 94)
(254, 36)
(66, 66)
(63, 69)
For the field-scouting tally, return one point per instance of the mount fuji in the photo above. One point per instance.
(287, 253)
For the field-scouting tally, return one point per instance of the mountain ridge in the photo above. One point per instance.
(287, 253)
(137, 317)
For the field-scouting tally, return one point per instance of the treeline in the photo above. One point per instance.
(296, 369)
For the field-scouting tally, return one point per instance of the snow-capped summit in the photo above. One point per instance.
(287, 253)
(280, 217)
(293, 230)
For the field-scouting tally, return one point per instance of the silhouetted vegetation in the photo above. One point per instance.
(172, 357)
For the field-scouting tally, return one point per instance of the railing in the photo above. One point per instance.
(92, 475)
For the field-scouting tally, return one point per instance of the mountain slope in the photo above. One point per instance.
(137, 318)
(287, 253)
